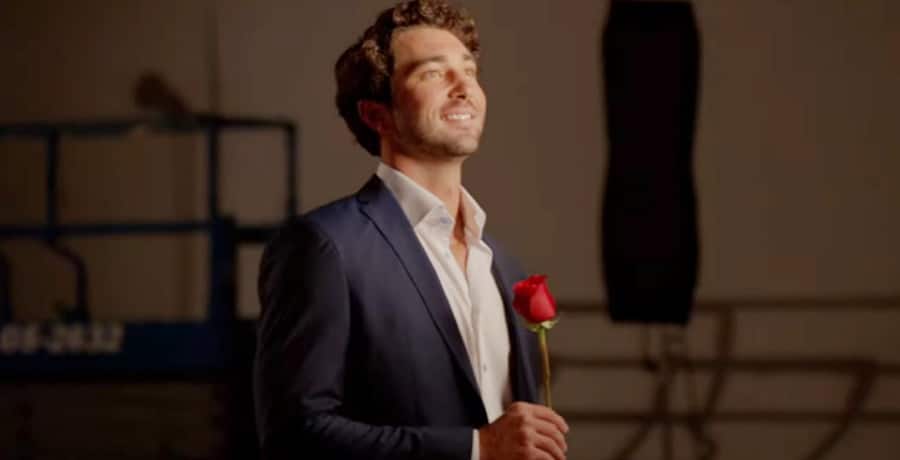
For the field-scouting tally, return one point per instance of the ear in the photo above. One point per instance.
(375, 115)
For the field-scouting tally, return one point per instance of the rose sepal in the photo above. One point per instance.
(546, 325)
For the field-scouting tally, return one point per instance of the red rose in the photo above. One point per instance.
(533, 300)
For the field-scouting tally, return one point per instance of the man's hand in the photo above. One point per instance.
(525, 431)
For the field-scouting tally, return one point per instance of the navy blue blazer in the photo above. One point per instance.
(358, 353)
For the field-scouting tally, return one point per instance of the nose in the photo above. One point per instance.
(460, 86)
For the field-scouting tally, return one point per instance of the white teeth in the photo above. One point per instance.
(459, 116)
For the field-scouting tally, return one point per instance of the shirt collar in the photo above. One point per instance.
(474, 216)
(418, 203)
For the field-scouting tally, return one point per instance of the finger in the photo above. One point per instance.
(546, 444)
(549, 430)
(545, 413)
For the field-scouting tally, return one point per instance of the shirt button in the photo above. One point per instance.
(484, 368)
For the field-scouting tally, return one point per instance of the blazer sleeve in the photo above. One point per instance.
(301, 356)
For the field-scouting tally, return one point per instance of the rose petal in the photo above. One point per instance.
(533, 299)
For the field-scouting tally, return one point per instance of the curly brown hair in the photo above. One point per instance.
(363, 72)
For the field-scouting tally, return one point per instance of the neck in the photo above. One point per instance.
(441, 177)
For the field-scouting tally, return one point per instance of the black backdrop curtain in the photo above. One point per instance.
(650, 59)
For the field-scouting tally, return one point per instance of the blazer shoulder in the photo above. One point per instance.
(297, 235)
(315, 226)
(340, 220)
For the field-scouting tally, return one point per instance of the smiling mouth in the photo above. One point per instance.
(458, 116)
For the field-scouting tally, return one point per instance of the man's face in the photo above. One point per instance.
(438, 107)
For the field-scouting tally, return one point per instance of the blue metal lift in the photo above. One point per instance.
(77, 347)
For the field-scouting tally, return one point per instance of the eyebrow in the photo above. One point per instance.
(413, 66)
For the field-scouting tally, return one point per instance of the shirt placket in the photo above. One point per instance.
(472, 272)
(440, 240)
(470, 312)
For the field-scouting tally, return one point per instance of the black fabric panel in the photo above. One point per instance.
(650, 249)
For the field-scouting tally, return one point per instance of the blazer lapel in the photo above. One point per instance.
(521, 371)
(382, 208)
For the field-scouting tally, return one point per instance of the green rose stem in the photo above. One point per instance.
(545, 357)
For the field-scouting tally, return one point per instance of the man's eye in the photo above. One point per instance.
(430, 74)
(472, 72)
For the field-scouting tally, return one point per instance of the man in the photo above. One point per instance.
(387, 330)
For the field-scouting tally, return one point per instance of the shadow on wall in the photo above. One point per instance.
(665, 356)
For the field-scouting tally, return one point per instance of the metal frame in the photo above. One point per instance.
(143, 349)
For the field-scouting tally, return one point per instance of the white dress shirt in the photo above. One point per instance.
(473, 296)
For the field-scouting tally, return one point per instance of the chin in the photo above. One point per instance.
(463, 150)
(465, 145)
(458, 147)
